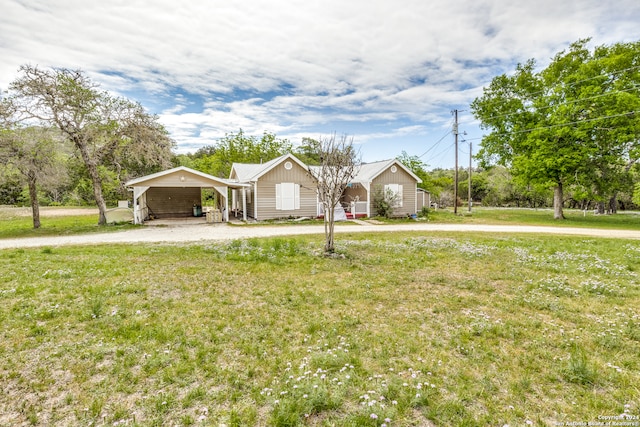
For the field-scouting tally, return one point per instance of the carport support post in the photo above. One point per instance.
(367, 187)
(244, 204)
(137, 193)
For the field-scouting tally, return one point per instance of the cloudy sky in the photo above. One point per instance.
(388, 73)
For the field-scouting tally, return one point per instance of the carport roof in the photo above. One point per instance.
(203, 178)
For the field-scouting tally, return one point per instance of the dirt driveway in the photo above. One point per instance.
(218, 232)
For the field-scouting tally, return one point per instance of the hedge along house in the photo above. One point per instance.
(375, 179)
(279, 188)
(174, 193)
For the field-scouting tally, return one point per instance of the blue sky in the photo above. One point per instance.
(388, 73)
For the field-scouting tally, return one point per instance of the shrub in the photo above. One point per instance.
(384, 201)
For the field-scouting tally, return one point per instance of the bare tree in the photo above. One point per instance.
(101, 127)
(339, 163)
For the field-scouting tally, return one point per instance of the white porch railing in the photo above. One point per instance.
(358, 208)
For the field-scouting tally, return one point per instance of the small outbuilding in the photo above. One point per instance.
(177, 193)
(423, 199)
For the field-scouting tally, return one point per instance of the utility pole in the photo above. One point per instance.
(455, 180)
(470, 155)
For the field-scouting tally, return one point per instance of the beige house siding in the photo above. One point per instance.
(423, 200)
(181, 179)
(166, 202)
(266, 192)
(251, 201)
(409, 186)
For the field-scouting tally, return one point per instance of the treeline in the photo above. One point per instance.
(67, 182)
(496, 187)
(573, 126)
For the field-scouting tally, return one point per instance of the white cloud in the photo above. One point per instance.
(296, 66)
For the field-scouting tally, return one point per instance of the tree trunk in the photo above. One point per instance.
(600, 208)
(557, 202)
(613, 203)
(329, 223)
(33, 195)
(92, 168)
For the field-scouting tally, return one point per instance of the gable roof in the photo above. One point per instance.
(249, 172)
(139, 182)
(369, 171)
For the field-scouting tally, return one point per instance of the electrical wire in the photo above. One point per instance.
(635, 67)
(613, 116)
(436, 144)
(437, 157)
(635, 87)
(613, 73)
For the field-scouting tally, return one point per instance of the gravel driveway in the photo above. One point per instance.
(216, 232)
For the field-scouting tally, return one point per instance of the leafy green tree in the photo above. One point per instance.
(418, 168)
(569, 122)
(308, 152)
(10, 186)
(106, 131)
(241, 148)
(615, 73)
(32, 152)
(182, 160)
(440, 184)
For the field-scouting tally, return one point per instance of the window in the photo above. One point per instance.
(287, 196)
(395, 191)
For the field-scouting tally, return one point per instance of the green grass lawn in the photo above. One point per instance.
(404, 329)
(14, 223)
(573, 218)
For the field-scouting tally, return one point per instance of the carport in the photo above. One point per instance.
(174, 193)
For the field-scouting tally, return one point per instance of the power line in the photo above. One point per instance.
(613, 116)
(635, 87)
(613, 73)
(436, 144)
(437, 158)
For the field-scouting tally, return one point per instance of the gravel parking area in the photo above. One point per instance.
(217, 232)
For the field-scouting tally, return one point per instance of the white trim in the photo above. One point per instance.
(255, 201)
(137, 214)
(244, 204)
(367, 187)
(142, 180)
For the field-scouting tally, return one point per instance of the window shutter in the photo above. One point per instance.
(278, 196)
(287, 196)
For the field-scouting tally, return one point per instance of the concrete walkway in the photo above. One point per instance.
(217, 232)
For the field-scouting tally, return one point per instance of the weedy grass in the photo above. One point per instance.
(22, 226)
(625, 220)
(403, 329)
